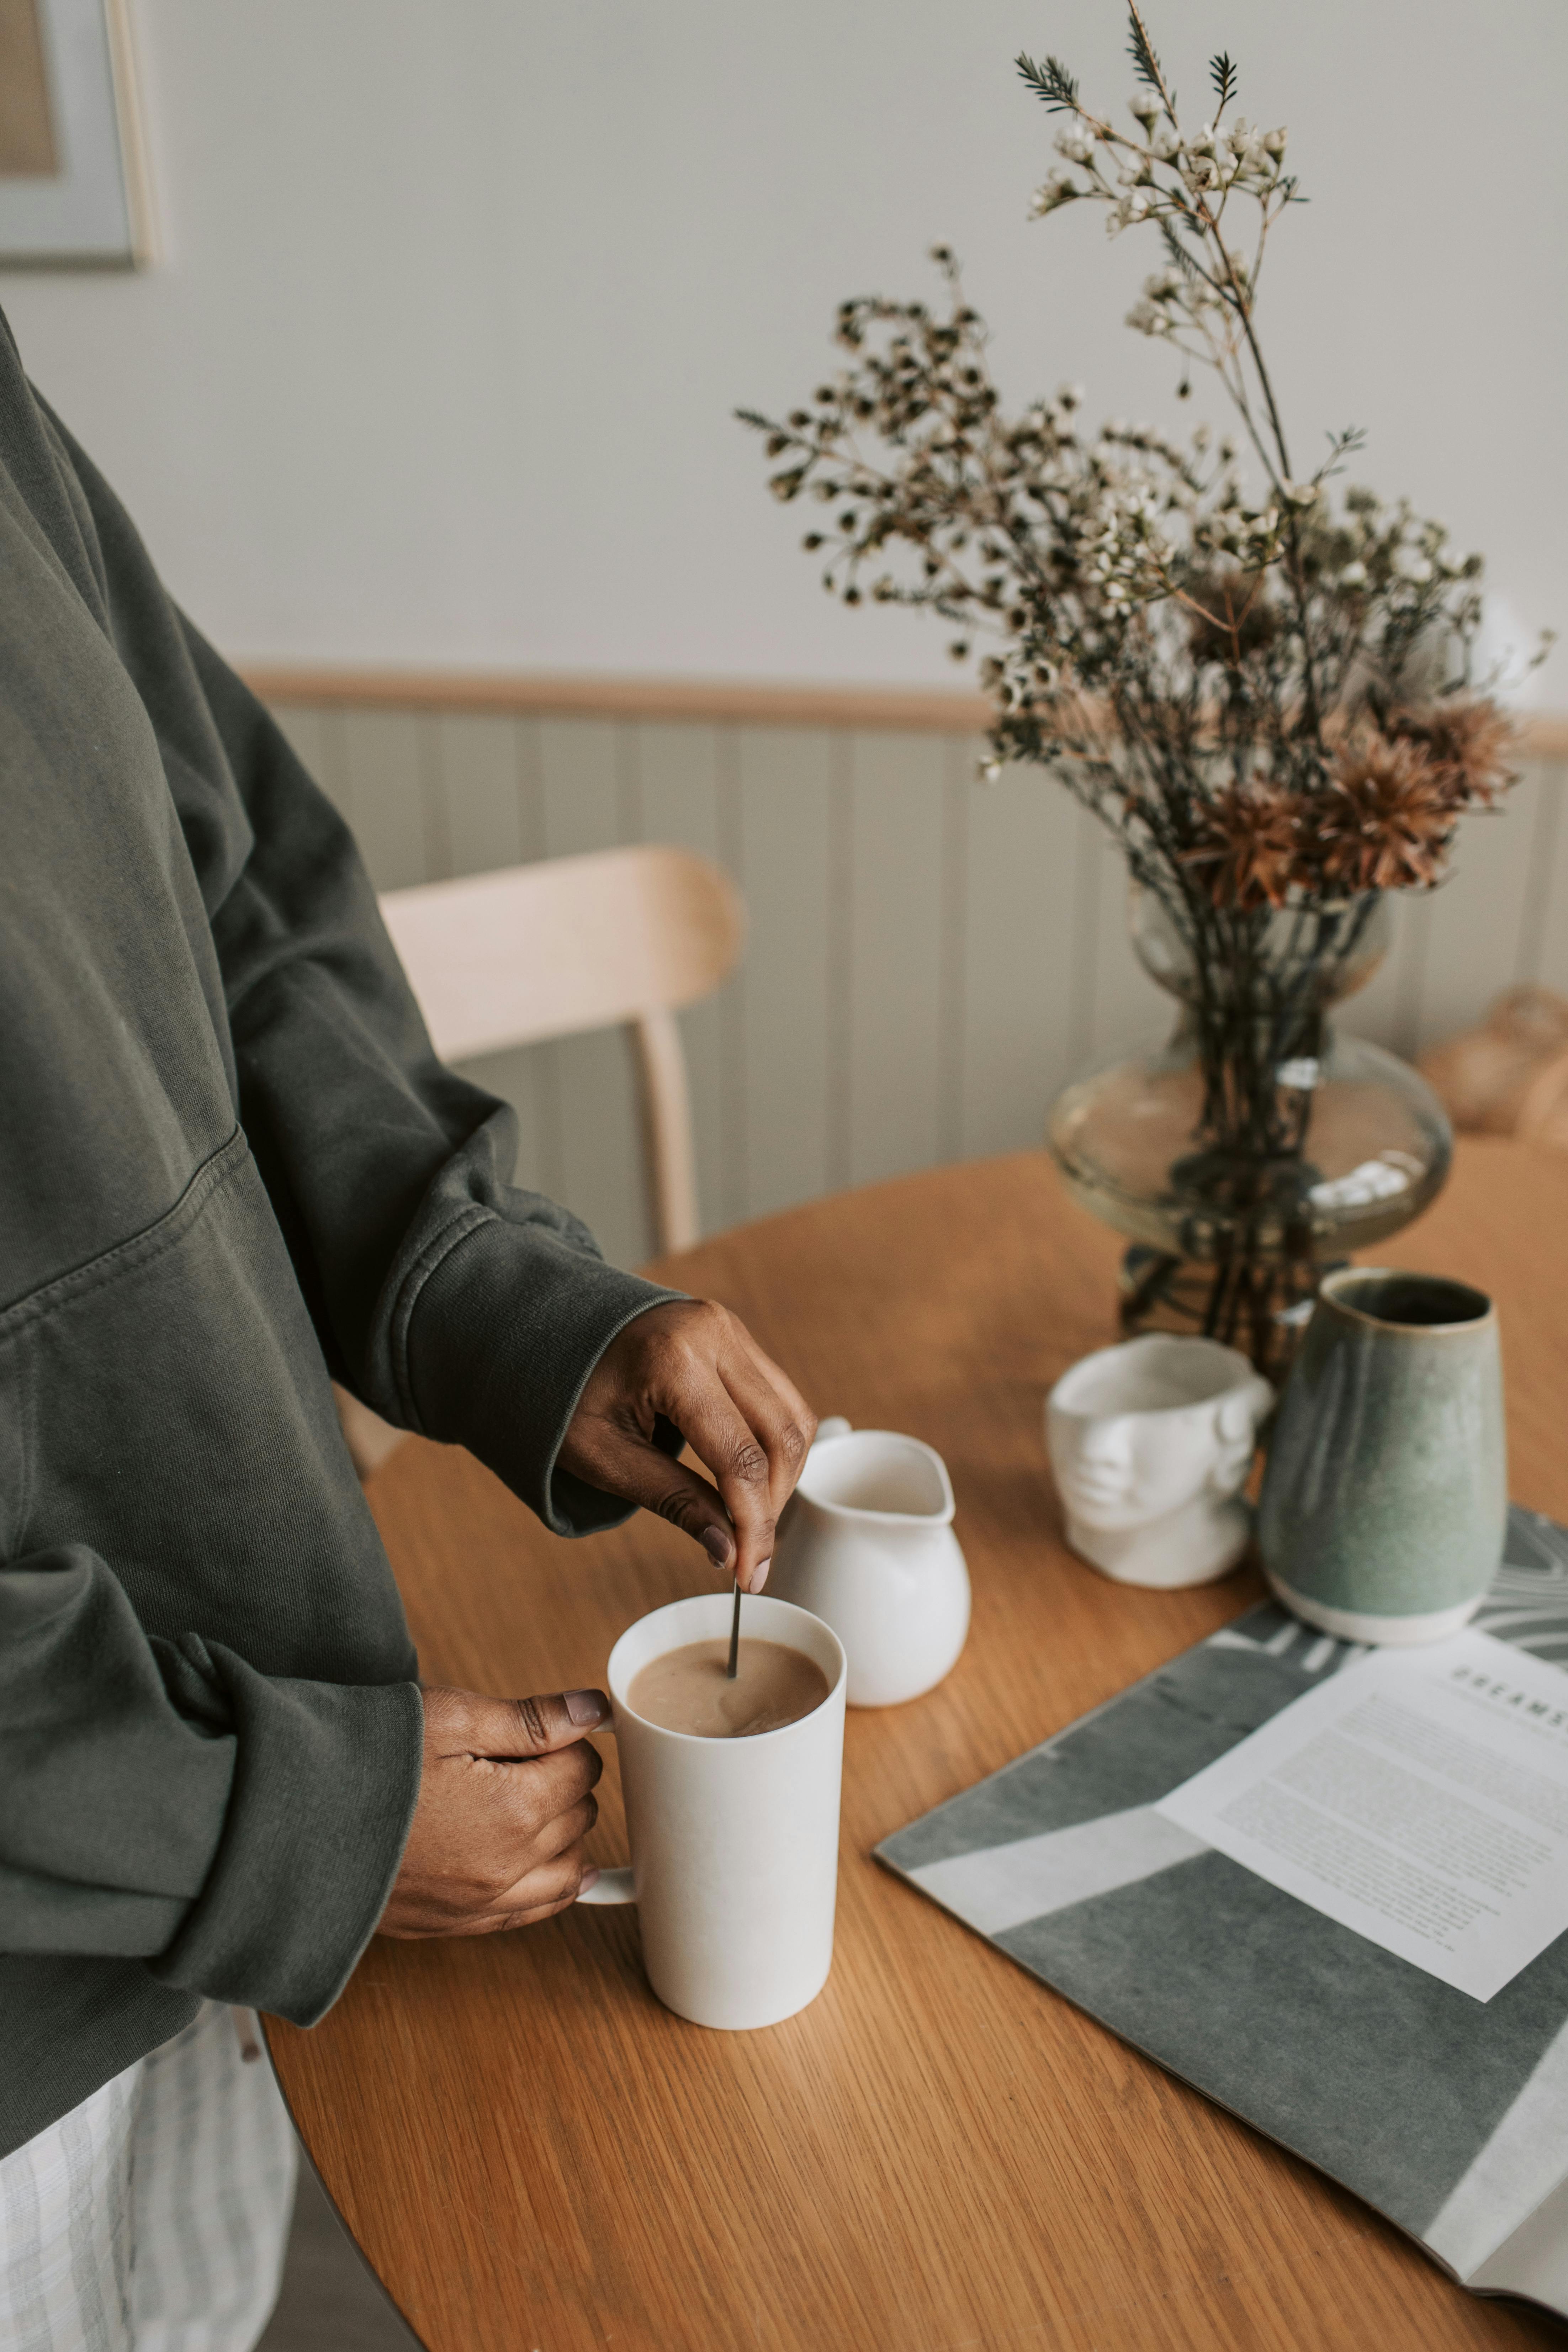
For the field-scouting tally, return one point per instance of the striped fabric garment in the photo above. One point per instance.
(154, 2217)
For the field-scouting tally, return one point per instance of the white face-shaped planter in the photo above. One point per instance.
(1150, 1442)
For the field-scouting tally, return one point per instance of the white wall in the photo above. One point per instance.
(458, 295)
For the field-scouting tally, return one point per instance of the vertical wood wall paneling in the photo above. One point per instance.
(789, 783)
(896, 958)
(1388, 1010)
(958, 790)
(539, 1066)
(1476, 919)
(1086, 858)
(479, 783)
(383, 775)
(1543, 942)
(308, 734)
(482, 813)
(928, 960)
(589, 785)
(1021, 939)
(673, 792)
(430, 748)
(1131, 1012)
(727, 1190)
(841, 961)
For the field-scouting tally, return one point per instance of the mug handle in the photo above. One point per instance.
(610, 1886)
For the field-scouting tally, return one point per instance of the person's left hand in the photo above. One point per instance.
(696, 1365)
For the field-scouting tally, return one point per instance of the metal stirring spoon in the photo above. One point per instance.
(732, 1669)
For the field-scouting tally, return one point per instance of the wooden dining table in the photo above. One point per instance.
(939, 2153)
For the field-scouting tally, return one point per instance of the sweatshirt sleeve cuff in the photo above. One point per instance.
(326, 1779)
(495, 1345)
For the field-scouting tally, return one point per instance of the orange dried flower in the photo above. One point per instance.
(1469, 739)
(1248, 844)
(1387, 817)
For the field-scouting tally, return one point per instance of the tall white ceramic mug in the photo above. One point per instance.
(734, 1841)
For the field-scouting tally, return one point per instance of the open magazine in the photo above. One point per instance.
(1447, 2112)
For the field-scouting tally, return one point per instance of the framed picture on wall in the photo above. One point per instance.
(73, 183)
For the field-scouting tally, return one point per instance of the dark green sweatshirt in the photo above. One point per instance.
(231, 1168)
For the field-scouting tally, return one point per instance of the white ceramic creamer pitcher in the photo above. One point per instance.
(866, 1543)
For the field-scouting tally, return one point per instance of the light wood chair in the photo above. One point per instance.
(620, 936)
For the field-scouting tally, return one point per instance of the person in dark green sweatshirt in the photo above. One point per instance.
(232, 1171)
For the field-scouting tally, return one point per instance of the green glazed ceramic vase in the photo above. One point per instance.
(1386, 1497)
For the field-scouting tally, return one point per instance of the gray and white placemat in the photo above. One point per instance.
(1449, 2115)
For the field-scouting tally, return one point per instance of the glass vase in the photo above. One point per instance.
(1256, 1150)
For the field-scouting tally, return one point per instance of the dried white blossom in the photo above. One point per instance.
(1131, 210)
(1058, 188)
(1075, 143)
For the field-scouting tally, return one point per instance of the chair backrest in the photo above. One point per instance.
(574, 943)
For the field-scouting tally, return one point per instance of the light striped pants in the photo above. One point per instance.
(154, 2217)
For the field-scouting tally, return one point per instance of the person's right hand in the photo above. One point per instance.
(504, 1806)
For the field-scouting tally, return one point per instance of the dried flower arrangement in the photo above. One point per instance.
(1268, 695)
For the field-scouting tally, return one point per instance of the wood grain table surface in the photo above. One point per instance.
(939, 2153)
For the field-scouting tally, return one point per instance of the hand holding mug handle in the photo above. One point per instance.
(606, 1885)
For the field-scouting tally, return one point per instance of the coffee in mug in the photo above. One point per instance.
(690, 1689)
